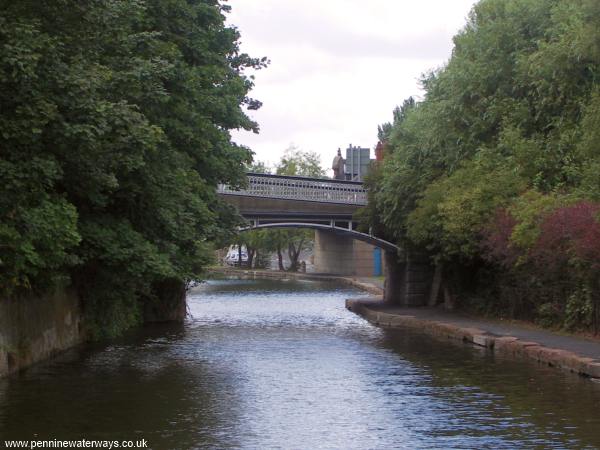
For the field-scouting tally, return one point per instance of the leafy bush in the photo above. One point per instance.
(114, 132)
(495, 171)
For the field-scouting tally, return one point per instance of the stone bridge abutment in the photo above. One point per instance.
(408, 278)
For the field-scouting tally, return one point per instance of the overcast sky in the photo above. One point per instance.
(338, 67)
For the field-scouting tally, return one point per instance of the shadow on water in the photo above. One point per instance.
(138, 387)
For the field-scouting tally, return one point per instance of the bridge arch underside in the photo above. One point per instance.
(339, 249)
(333, 227)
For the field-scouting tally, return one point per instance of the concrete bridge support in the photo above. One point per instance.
(408, 279)
(342, 255)
(408, 275)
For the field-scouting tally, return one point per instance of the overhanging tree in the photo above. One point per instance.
(114, 132)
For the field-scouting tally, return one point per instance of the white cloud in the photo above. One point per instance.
(338, 67)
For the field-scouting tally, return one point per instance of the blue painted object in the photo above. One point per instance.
(377, 272)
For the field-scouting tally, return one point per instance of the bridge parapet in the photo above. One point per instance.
(301, 188)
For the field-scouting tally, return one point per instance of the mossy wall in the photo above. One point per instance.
(36, 328)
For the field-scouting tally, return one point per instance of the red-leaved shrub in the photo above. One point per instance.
(569, 234)
(496, 245)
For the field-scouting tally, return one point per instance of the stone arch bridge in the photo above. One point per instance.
(328, 207)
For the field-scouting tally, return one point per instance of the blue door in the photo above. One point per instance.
(377, 262)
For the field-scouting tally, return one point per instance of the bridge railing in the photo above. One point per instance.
(301, 188)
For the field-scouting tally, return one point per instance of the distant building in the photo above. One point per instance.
(358, 160)
(355, 166)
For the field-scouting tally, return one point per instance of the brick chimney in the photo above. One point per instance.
(379, 151)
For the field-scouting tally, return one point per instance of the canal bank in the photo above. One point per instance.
(572, 353)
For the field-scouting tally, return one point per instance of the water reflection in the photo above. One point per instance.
(272, 364)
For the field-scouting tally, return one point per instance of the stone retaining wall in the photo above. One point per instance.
(506, 345)
(36, 328)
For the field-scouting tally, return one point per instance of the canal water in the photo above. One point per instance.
(281, 364)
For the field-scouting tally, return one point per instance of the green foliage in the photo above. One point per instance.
(399, 114)
(257, 242)
(587, 148)
(529, 210)
(114, 132)
(453, 209)
(549, 315)
(502, 117)
(300, 163)
(368, 217)
(579, 309)
(509, 124)
(258, 167)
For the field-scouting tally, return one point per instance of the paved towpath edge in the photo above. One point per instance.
(571, 353)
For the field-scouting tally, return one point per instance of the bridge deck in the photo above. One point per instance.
(301, 188)
(278, 201)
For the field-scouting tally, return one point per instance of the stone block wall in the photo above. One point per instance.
(408, 279)
(36, 328)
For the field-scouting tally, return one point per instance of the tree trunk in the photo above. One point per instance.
(448, 298)
(293, 258)
(251, 253)
(294, 254)
(280, 258)
(435, 287)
